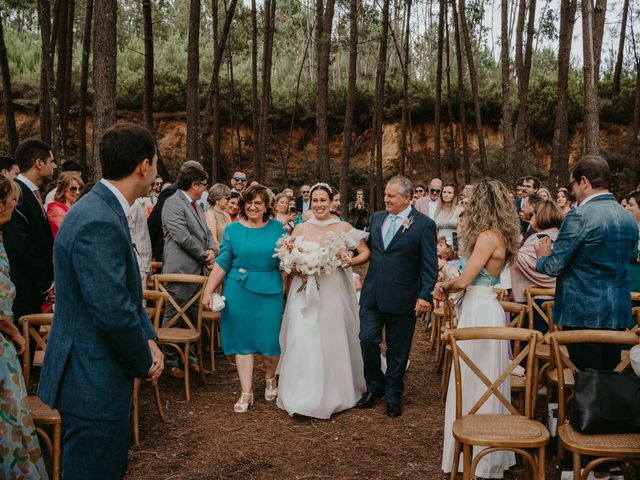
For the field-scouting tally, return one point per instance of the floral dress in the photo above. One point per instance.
(20, 454)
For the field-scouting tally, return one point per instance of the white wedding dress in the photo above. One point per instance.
(321, 369)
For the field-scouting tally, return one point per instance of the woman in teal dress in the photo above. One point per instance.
(20, 454)
(633, 269)
(253, 290)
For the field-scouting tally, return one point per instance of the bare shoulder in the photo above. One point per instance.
(346, 227)
(491, 237)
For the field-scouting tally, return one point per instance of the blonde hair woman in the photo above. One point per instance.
(491, 241)
(216, 216)
(447, 212)
(68, 190)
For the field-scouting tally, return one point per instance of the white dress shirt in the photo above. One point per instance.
(401, 218)
(126, 208)
(32, 186)
(591, 197)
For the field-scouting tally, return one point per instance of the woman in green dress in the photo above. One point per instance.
(20, 454)
(253, 290)
(633, 269)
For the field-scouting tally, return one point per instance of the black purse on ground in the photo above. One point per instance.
(606, 402)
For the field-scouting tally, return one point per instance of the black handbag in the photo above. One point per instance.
(606, 402)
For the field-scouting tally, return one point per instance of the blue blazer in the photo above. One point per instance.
(590, 259)
(99, 339)
(406, 270)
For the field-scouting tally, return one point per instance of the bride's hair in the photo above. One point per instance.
(491, 208)
(325, 187)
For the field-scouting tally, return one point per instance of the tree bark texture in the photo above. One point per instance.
(46, 71)
(591, 125)
(12, 132)
(84, 81)
(451, 146)
(466, 155)
(254, 85)
(71, 10)
(147, 99)
(104, 75)
(265, 94)
(193, 76)
(379, 100)
(507, 145)
(406, 107)
(617, 73)
(347, 134)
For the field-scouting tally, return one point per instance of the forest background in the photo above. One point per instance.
(347, 91)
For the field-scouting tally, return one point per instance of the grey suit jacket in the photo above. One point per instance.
(186, 236)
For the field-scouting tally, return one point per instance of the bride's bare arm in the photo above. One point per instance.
(363, 254)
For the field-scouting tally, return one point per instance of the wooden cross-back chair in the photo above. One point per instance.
(180, 338)
(211, 323)
(37, 326)
(498, 432)
(154, 311)
(518, 312)
(606, 448)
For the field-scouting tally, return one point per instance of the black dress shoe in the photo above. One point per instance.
(394, 410)
(367, 400)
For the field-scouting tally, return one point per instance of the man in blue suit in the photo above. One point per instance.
(101, 337)
(590, 258)
(396, 290)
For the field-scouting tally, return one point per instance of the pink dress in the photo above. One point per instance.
(55, 213)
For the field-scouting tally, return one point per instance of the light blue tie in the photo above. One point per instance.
(391, 231)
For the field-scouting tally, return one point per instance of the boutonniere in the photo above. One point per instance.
(406, 225)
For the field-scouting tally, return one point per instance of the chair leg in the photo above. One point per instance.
(540, 470)
(156, 394)
(185, 362)
(444, 381)
(57, 430)
(576, 465)
(212, 356)
(467, 455)
(134, 416)
(200, 359)
(456, 461)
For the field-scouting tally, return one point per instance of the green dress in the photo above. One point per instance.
(20, 454)
(252, 288)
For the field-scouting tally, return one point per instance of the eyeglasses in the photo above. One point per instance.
(158, 183)
(239, 179)
(435, 191)
(304, 191)
(75, 189)
(203, 184)
(570, 184)
(256, 204)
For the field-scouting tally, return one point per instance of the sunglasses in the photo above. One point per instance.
(240, 179)
(434, 190)
(419, 190)
(75, 189)
(158, 183)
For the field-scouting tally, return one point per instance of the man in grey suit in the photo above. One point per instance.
(188, 248)
(101, 337)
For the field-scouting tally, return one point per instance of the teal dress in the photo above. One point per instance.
(484, 278)
(252, 288)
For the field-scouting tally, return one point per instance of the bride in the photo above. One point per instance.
(321, 369)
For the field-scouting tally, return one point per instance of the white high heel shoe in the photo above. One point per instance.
(242, 406)
(270, 391)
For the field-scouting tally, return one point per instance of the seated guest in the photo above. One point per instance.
(68, 190)
(633, 269)
(233, 206)
(216, 216)
(546, 222)
(20, 454)
(564, 200)
(528, 207)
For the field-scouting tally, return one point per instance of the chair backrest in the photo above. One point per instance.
(36, 326)
(518, 313)
(160, 282)
(529, 338)
(530, 293)
(501, 293)
(155, 311)
(560, 361)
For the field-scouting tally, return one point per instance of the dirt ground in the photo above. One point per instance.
(205, 439)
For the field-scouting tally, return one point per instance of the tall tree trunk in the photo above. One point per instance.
(234, 124)
(66, 97)
(466, 156)
(560, 154)
(379, 100)
(617, 73)
(451, 148)
(12, 132)
(62, 12)
(599, 13)
(265, 94)
(347, 134)
(591, 123)
(507, 147)
(46, 71)
(635, 129)
(84, 81)
(254, 85)
(523, 71)
(193, 77)
(406, 108)
(323, 24)
(104, 75)
(147, 99)
(473, 77)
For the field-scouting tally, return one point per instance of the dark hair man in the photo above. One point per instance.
(9, 167)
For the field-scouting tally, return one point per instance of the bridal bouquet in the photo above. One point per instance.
(310, 258)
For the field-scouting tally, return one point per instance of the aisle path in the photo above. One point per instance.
(204, 439)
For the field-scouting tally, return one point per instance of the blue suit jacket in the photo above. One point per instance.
(406, 270)
(99, 339)
(590, 258)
